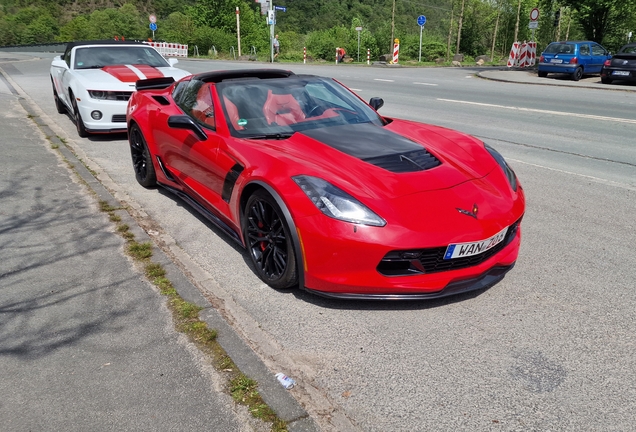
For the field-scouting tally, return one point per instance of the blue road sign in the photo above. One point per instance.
(421, 20)
(153, 26)
(281, 8)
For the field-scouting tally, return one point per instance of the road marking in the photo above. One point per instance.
(379, 79)
(426, 84)
(540, 111)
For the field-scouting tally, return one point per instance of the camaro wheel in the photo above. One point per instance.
(577, 74)
(141, 159)
(79, 123)
(543, 74)
(269, 242)
(59, 106)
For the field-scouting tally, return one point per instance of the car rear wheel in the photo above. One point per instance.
(141, 159)
(79, 123)
(577, 74)
(543, 74)
(606, 80)
(269, 241)
(59, 106)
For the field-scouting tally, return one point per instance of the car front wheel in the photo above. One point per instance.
(577, 74)
(141, 159)
(79, 123)
(59, 106)
(269, 241)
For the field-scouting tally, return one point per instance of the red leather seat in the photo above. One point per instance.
(282, 109)
(203, 109)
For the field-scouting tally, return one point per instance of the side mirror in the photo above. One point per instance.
(376, 103)
(173, 61)
(58, 62)
(185, 122)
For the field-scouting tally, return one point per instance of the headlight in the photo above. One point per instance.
(336, 203)
(104, 95)
(512, 178)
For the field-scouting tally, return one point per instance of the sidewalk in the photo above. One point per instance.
(529, 76)
(86, 343)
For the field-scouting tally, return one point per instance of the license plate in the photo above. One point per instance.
(622, 73)
(556, 61)
(459, 250)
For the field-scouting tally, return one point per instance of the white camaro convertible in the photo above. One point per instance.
(94, 80)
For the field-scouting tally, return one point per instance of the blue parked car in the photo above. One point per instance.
(576, 58)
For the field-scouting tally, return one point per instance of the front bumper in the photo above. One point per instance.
(113, 118)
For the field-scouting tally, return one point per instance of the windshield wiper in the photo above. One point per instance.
(91, 67)
(276, 136)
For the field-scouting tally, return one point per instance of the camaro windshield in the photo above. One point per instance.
(276, 108)
(93, 57)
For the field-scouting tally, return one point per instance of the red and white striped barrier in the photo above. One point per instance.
(170, 49)
(304, 55)
(514, 52)
(368, 56)
(523, 54)
(396, 53)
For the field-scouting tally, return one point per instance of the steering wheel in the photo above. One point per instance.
(315, 111)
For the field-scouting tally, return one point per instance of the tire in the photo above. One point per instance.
(543, 74)
(141, 159)
(269, 241)
(577, 74)
(59, 106)
(79, 123)
(606, 80)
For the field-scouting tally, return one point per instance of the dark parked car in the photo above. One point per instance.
(620, 67)
(576, 58)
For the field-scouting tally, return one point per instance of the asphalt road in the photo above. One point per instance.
(551, 347)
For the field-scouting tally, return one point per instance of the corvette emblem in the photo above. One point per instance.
(469, 213)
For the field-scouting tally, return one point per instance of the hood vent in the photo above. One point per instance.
(419, 160)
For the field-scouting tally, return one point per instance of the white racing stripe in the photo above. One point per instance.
(136, 71)
(560, 113)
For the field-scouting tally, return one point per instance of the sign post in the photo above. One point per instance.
(358, 29)
(534, 16)
(421, 20)
(153, 24)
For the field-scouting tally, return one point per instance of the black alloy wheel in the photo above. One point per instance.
(269, 242)
(141, 159)
(79, 123)
(59, 106)
(577, 74)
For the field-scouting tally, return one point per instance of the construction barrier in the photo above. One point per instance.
(304, 55)
(368, 56)
(523, 54)
(396, 53)
(170, 49)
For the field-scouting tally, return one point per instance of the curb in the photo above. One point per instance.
(286, 407)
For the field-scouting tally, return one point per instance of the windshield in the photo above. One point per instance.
(560, 48)
(92, 57)
(276, 108)
(628, 49)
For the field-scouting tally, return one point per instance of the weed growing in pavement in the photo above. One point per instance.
(185, 315)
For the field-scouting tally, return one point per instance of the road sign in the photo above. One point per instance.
(153, 26)
(358, 28)
(534, 14)
(152, 18)
(421, 20)
(281, 8)
(533, 25)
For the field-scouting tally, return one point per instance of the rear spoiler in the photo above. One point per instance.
(154, 83)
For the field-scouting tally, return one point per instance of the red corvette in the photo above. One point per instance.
(323, 192)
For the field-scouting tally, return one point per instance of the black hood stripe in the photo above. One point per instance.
(376, 145)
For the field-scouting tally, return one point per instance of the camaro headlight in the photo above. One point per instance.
(101, 94)
(512, 177)
(336, 203)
